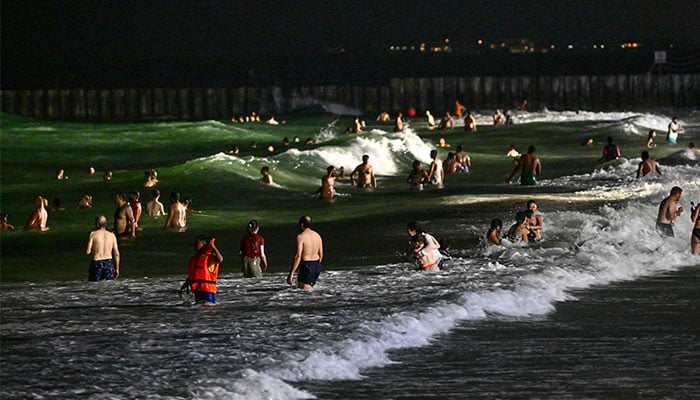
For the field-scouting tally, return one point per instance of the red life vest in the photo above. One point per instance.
(203, 269)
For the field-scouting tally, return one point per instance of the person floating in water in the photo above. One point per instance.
(647, 165)
(668, 212)
(202, 270)
(102, 246)
(611, 151)
(530, 167)
(308, 256)
(365, 174)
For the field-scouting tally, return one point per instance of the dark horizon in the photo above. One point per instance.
(107, 44)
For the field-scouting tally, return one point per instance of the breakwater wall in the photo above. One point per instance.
(594, 93)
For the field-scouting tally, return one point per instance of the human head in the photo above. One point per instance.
(174, 197)
(265, 170)
(416, 164)
(531, 149)
(645, 155)
(365, 158)
(691, 145)
(253, 226)
(200, 241)
(610, 139)
(676, 192)
(108, 175)
(134, 195)
(418, 240)
(532, 205)
(120, 197)
(652, 133)
(459, 148)
(520, 217)
(674, 119)
(3, 217)
(433, 153)
(414, 228)
(330, 169)
(496, 224)
(305, 221)
(100, 221)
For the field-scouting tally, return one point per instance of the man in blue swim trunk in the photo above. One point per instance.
(308, 256)
(102, 245)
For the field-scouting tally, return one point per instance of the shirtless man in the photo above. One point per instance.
(102, 245)
(647, 166)
(431, 244)
(40, 216)
(530, 167)
(668, 212)
(124, 222)
(365, 174)
(177, 214)
(308, 256)
(469, 122)
(154, 207)
(328, 180)
(398, 124)
(695, 236)
(436, 174)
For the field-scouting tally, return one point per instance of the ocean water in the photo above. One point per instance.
(602, 308)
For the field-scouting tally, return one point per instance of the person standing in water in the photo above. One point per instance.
(668, 212)
(647, 166)
(124, 222)
(177, 213)
(252, 251)
(530, 168)
(365, 174)
(674, 128)
(611, 151)
(102, 245)
(203, 269)
(436, 174)
(308, 256)
(695, 236)
(40, 216)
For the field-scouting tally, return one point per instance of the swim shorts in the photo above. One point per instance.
(201, 297)
(309, 272)
(665, 229)
(528, 179)
(101, 270)
(672, 140)
(696, 233)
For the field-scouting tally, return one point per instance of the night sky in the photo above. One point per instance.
(167, 38)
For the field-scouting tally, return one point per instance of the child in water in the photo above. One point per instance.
(202, 270)
(424, 259)
(493, 234)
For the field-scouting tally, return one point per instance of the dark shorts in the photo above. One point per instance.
(665, 229)
(202, 297)
(309, 272)
(696, 233)
(101, 270)
(528, 179)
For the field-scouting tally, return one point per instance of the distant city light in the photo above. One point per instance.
(480, 42)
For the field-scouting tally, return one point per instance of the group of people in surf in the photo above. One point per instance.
(527, 227)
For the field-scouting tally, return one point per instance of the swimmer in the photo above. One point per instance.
(650, 139)
(40, 216)
(668, 212)
(60, 174)
(151, 178)
(85, 202)
(442, 143)
(4, 224)
(535, 221)
(469, 122)
(328, 180)
(513, 152)
(447, 122)
(519, 231)
(695, 235)
(431, 244)
(102, 245)
(647, 165)
(464, 162)
(266, 177)
(308, 256)
(177, 214)
(450, 165)
(124, 223)
(398, 124)
(365, 174)
(498, 117)
(154, 207)
(429, 119)
(493, 234)
(418, 177)
(383, 117)
(436, 175)
(422, 255)
(530, 167)
(272, 121)
(611, 151)
(107, 176)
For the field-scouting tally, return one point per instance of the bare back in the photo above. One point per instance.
(309, 246)
(102, 245)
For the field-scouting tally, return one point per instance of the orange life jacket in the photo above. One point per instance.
(203, 269)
